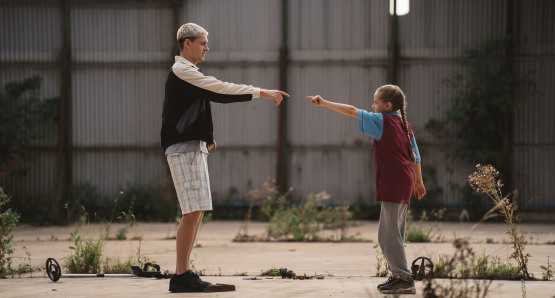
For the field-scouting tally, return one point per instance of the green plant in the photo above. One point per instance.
(129, 218)
(485, 268)
(85, 255)
(417, 234)
(547, 273)
(23, 267)
(117, 266)
(8, 221)
(450, 267)
(291, 222)
(475, 124)
(142, 260)
(485, 180)
(303, 223)
(22, 120)
(381, 264)
(270, 272)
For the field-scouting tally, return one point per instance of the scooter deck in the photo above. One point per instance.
(219, 288)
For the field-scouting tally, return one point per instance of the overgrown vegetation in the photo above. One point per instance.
(270, 272)
(485, 180)
(416, 232)
(297, 222)
(22, 120)
(547, 271)
(85, 255)
(8, 221)
(474, 126)
(477, 124)
(449, 267)
(381, 264)
(86, 252)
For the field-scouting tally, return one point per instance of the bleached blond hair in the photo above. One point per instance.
(190, 30)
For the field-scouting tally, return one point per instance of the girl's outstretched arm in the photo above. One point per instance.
(338, 107)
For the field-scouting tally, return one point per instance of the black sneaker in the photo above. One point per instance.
(187, 282)
(399, 286)
(207, 284)
(385, 282)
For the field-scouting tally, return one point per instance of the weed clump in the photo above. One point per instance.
(296, 222)
(485, 180)
(8, 221)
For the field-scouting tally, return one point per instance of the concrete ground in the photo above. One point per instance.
(349, 268)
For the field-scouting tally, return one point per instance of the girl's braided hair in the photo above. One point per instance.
(394, 95)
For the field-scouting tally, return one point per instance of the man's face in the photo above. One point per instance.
(196, 50)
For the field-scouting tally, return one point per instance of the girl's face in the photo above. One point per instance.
(379, 105)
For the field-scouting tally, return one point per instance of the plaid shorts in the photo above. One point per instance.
(190, 176)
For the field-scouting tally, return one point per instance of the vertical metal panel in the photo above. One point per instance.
(535, 26)
(252, 123)
(355, 85)
(30, 33)
(338, 25)
(240, 170)
(428, 92)
(112, 170)
(534, 176)
(36, 186)
(436, 29)
(122, 53)
(346, 174)
(121, 34)
(534, 115)
(117, 106)
(534, 157)
(251, 25)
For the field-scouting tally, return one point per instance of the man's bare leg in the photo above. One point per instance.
(197, 228)
(185, 238)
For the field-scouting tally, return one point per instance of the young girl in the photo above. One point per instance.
(398, 175)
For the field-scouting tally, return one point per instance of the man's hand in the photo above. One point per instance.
(212, 146)
(316, 100)
(419, 189)
(275, 95)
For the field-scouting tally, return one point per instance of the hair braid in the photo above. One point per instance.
(406, 129)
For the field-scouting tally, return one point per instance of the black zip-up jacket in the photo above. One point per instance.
(186, 115)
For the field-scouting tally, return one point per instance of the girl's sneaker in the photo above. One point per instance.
(386, 282)
(399, 286)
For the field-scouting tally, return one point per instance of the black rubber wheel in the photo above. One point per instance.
(53, 269)
(423, 270)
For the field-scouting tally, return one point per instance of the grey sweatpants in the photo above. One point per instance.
(391, 236)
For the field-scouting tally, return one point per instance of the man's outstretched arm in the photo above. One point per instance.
(223, 92)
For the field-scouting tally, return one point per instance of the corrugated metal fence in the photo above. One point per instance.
(121, 53)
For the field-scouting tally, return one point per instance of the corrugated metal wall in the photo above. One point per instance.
(339, 49)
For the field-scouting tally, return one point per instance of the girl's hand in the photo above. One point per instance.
(419, 189)
(316, 100)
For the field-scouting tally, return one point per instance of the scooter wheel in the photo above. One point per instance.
(53, 269)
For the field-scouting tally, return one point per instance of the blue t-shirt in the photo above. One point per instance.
(372, 124)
